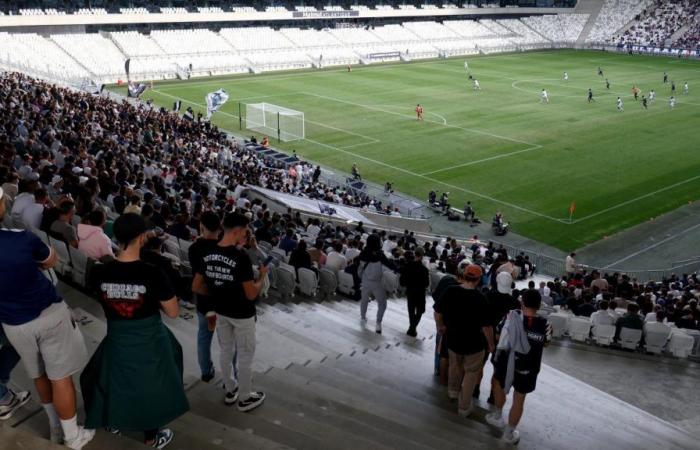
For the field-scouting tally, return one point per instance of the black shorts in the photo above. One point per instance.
(523, 383)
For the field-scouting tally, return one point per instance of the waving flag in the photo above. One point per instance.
(135, 89)
(215, 100)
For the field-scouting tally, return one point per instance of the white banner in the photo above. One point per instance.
(313, 206)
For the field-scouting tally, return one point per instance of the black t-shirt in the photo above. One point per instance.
(539, 333)
(131, 290)
(195, 255)
(225, 271)
(499, 305)
(464, 312)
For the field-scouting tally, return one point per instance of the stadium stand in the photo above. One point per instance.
(613, 16)
(690, 38)
(559, 27)
(169, 53)
(658, 23)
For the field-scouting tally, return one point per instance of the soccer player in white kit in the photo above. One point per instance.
(466, 66)
(477, 86)
(685, 88)
(566, 76)
(544, 97)
(652, 95)
(619, 104)
(672, 102)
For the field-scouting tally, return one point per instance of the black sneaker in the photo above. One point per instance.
(208, 377)
(17, 400)
(256, 399)
(231, 397)
(163, 438)
(411, 332)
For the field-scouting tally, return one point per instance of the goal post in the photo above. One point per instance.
(266, 118)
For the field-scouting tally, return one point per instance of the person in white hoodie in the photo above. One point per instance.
(92, 240)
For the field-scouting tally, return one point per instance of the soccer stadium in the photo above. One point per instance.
(349, 225)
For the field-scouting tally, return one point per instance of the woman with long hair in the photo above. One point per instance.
(371, 270)
(134, 379)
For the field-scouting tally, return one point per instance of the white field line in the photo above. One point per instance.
(373, 108)
(433, 180)
(361, 144)
(641, 197)
(652, 246)
(479, 161)
(369, 138)
(444, 121)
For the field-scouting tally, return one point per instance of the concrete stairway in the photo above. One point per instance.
(591, 7)
(332, 383)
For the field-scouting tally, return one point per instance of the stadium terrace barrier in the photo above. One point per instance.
(642, 50)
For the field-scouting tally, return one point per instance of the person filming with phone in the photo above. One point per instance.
(229, 280)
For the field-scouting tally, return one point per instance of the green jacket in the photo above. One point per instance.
(134, 379)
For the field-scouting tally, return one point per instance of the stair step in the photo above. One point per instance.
(16, 439)
(418, 415)
(207, 401)
(306, 401)
(219, 435)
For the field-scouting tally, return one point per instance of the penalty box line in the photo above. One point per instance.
(434, 180)
(400, 169)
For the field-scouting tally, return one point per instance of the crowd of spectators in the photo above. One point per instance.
(690, 39)
(58, 144)
(591, 294)
(659, 22)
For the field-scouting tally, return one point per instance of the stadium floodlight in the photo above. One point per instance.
(266, 118)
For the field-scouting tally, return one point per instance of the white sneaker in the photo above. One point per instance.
(495, 420)
(452, 395)
(56, 435)
(511, 438)
(78, 442)
(378, 328)
(466, 412)
(17, 400)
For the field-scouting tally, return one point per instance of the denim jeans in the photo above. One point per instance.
(204, 338)
(8, 360)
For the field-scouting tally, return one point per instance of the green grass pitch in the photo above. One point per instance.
(499, 147)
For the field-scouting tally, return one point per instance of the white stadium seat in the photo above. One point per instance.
(629, 338)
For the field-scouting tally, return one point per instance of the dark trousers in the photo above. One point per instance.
(416, 308)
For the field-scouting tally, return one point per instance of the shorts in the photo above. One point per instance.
(50, 345)
(523, 383)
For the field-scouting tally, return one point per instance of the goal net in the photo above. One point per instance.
(274, 120)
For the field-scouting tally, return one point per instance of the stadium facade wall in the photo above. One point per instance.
(10, 23)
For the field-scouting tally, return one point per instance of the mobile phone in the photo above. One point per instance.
(267, 261)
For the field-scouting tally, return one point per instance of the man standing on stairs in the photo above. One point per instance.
(39, 325)
(519, 370)
(209, 227)
(466, 321)
(230, 281)
(416, 279)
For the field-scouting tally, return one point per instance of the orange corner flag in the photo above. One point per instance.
(572, 208)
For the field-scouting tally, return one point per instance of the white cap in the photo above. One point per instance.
(503, 282)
